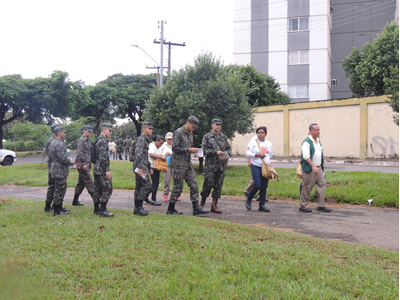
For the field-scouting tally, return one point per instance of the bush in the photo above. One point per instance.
(8, 145)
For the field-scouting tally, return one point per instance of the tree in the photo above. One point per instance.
(262, 90)
(207, 90)
(133, 93)
(374, 70)
(37, 99)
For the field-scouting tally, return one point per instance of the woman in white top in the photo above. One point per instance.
(154, 153)
(111, 147)
(257, 156)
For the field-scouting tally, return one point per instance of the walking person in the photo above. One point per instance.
(250, 184)
(102, 174)
(127, 147)
(59, 170)
(259, 149)
(217, 151)
(120, 147)
(312, 165)
(155, 153)
(112, 147)
(142, 169)
(182, 167)
(83, 157)
(166, 151)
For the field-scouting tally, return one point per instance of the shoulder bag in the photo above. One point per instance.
(268, 171)
(160, 165)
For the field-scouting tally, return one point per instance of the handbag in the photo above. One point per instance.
(268, 171)
(160, 165)
(114, 150)
(299, 171)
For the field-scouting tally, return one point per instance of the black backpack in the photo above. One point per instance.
(132, 152)
(93, 156)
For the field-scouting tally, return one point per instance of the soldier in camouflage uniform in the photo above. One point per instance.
(120, 147)
(141, 168)
(50, 189)
(59, 170)
(102, 175)
(127, 147)
(83, 157)
(182, 167)
(216, 149)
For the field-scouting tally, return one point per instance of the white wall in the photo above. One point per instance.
(242, 35)
(277, 66)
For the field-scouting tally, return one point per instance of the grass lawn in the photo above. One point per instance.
(342, 187)
(178, 257)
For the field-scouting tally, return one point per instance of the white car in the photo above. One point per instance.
(7, 157)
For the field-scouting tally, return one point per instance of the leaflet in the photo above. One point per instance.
(143, 174)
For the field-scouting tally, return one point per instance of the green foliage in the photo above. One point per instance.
(262, 89)
(124, 130)
(207, 90)
(74, 132)
(133, 91)
(374, 70)
(30, 136)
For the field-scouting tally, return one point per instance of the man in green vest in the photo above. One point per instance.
(312, 165)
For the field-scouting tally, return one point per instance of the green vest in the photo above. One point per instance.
(304, 165)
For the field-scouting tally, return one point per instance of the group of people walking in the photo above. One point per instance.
(174, 152)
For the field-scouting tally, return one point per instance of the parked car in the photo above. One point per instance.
(7, 157)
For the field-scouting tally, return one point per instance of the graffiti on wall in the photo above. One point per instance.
(383, 148)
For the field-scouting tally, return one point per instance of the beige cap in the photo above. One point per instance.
(169, 135)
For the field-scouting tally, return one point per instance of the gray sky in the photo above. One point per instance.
(92, 39)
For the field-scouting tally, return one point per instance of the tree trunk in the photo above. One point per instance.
(137, 124)
(96, 127)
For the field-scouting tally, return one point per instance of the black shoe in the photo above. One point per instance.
(75, 201)
(147, 201)
(305, 209)
(324, 209)
(58, 210)
(48, 208)
(64, 209)
(103, 212)
(140, 211)
(96, 208)
(197, 210)
(248, 204)
(172, 211)
(155, 203)
(263, 208)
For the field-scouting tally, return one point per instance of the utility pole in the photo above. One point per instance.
(158, 73)
(169, 53)
(162, 48)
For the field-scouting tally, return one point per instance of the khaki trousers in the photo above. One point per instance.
(249, 186)
(308, 181)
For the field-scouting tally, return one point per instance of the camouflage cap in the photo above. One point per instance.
(216, 122)
(88, 128)
(54, 126)
(59, 129)
(148, 124)
(192, 119)
(108, 125)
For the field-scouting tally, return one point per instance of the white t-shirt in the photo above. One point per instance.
(153, 150)
(111, 146)
(252, 150)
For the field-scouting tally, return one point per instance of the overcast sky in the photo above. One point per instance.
(92, 40)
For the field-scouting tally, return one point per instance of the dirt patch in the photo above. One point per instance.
(263, 225)
(4, 201)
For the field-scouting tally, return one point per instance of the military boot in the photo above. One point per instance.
(96, 208)
(58, 210)
(197, 210)
(139, 210)
(103, 212)
(214, 207)
(203, 202)
(172, 211)
(76, 201)
(48, 208)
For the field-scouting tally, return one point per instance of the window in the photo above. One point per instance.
(362, 7)
(334, 82)
(298, 57)
(298, 24)
(361, 37)
(298, 90)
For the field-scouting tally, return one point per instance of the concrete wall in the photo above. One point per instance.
(350, 128)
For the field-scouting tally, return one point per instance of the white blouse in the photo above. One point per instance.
(252, 150)
(153, 150)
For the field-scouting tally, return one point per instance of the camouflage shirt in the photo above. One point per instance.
(120, 143)
(59, 160)
(102, 164)
(83, 151)
(181, 142)
(212, 143)
(127, 144)
(142, 154)
(49, 141)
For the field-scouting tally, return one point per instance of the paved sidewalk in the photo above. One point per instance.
(357, 224)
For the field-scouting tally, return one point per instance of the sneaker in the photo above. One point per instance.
(179, 199)
(165, 199)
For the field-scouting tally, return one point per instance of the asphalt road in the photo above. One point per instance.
(336, 167)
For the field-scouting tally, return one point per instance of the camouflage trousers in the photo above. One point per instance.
(214, 181)
(102, 189)
(60, 188)
(143, 187)
(189, 175)
(120, 151)
(126, 151)
(84, 180)
(50, 190)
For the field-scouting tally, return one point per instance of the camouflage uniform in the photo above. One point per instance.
(143, 186)
(181, 165)
(83, 156)
(59, 169)
(120, 148)
(50, 189)
(215, 166)
(127, 147)
(102, 186)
